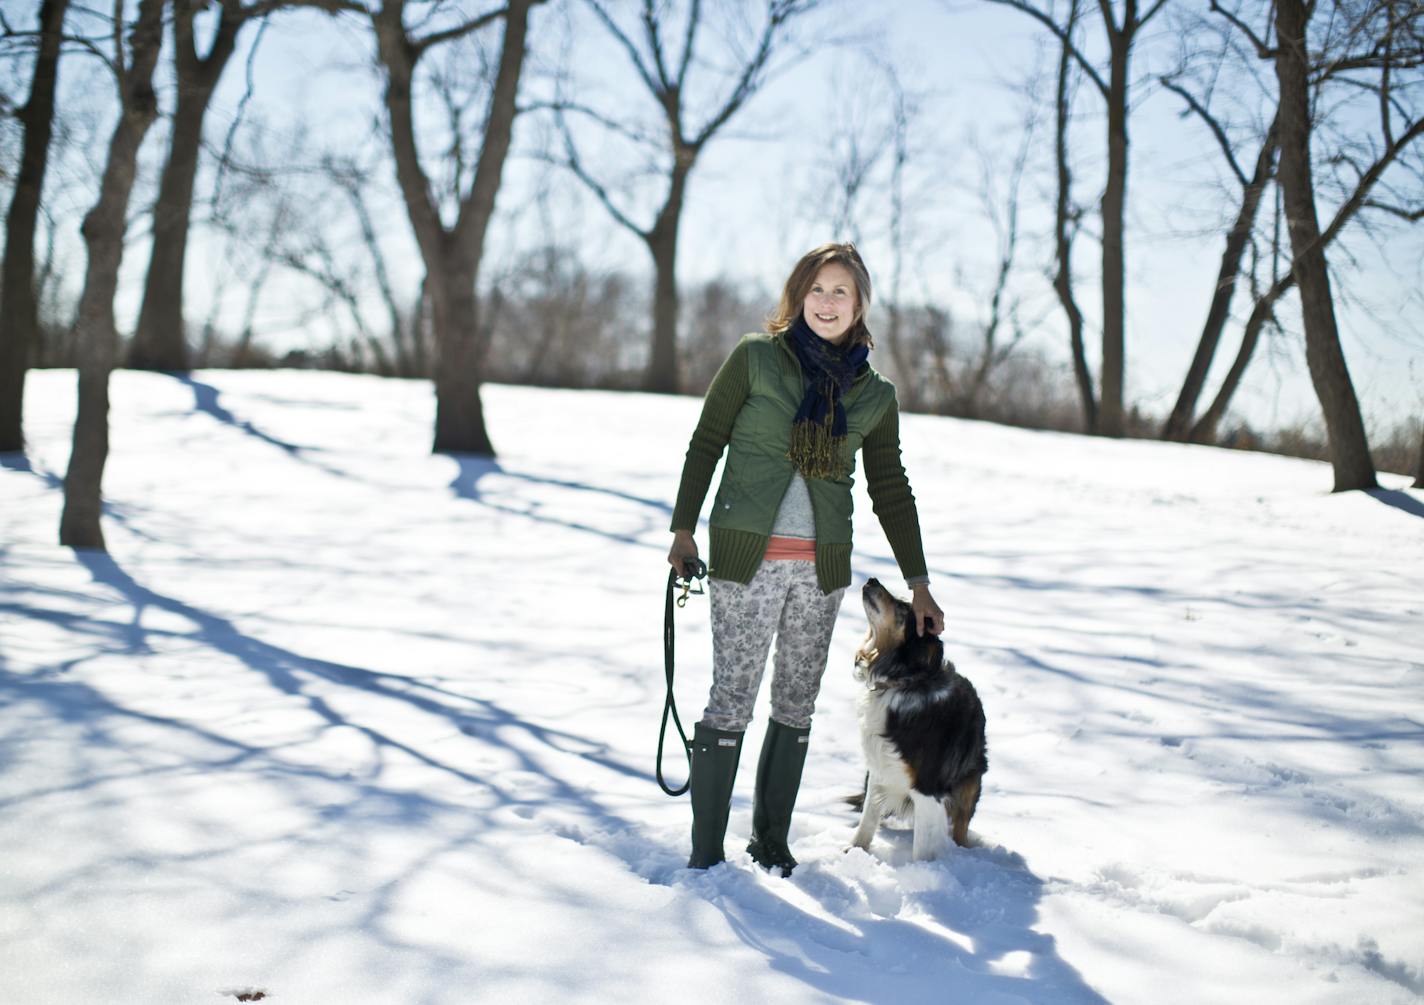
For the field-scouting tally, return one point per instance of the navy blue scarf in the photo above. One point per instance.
(818, 430)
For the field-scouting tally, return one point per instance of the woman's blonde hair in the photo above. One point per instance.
(803, 277)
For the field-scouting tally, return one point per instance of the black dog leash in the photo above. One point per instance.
(693, 570)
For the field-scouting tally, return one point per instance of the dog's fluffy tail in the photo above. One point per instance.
(857, 800)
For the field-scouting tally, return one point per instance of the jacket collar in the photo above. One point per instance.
(784, 342)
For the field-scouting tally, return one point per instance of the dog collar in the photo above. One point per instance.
(863, 663)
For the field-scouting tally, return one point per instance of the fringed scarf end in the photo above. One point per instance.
(815, 451)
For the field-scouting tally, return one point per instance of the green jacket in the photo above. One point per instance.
(748, 409)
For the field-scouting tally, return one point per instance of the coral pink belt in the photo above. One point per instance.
(801, 548)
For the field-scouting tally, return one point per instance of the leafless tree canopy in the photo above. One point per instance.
(460, 227)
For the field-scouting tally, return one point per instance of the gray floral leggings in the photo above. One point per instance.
(782, 599)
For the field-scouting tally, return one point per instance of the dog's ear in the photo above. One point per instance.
(924, 652)
(907, 621)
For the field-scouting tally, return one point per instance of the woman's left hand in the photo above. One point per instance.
(928, 616)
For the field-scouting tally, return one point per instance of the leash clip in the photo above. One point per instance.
(694, 570)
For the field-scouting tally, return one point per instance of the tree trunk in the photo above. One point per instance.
(20, 317)
(1419, 467)
(452, 257)
(1204, 430)
(1110, 413)
(1349, 449)
(103, 231)
(1178, 425)
(1063, 240)
(662, 373)
(459, 418)
(160, 341)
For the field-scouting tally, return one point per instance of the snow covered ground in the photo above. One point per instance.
(337, 720)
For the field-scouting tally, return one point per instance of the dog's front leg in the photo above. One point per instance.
(869, 814)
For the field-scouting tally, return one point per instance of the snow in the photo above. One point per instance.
(340, 720)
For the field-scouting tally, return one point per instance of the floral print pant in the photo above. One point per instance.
(783, 600)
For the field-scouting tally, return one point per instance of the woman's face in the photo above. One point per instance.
(830, 306)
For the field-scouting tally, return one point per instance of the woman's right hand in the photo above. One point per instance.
(683, 549)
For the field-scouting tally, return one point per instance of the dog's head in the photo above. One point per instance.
(892, 631)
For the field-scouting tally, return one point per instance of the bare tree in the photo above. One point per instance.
(452, 254)
(1263, 311)
(159, 341)
(665, 69)
(1376, 36)
(1121, 35)
(103, 230)
(1065, 223)
(18, 306)
(1357, 195)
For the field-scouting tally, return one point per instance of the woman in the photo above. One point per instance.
(791, 406)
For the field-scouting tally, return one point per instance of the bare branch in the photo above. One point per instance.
(655, 44)
(1367, 181)
(420, 45)
(1262, 49)
(1216, 129)
(694, 19)
(613, 125)
(1411, 215)
(575, 165)
(627, 43)
(777, 15)
(1365, 61)
(1105, 7)
(225, 158)
(1063, 37)
(265, 7)
(1151, 13)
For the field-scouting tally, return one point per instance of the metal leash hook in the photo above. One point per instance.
(694, 570)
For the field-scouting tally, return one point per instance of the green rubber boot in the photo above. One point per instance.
(715, 753)
(778, 778)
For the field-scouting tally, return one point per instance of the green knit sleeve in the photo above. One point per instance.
(725, 397)
(890, 495)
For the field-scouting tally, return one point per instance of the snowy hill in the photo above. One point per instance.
(340, 721)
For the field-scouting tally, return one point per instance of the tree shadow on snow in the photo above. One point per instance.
(207, 399)
(510, 767)
(1399, 499)
(473, 468)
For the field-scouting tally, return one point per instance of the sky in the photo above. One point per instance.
(763, 194)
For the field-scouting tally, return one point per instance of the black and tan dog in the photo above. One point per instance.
(922, 728)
